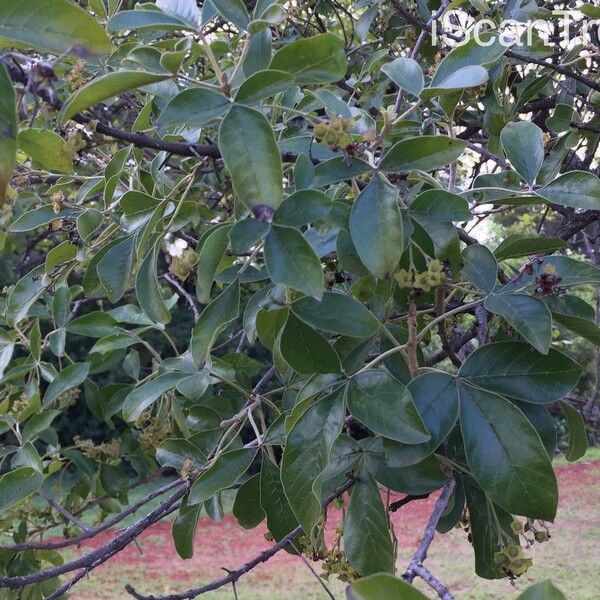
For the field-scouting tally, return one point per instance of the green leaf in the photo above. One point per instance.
(318, 59)
(523, 143)
(246, 508)
(24, 295)
(246, 233)
(544, 590)
(337, 313)
(480, 267)
(251, 155)
(576, 189)
(515, 369)
(138, 400)
(32, 219)
(193, 107)
(305, 350)
(376, 227)
(233, 11)
(105, 87)
(7, 347)
(38, 423)
(213, 320)
(46, 148)
(440, 206)
(70, 377)
(528, 315)
(17, 485)
(382, 587)
(489, 534)
(577, 433)
(95, 324)
(367, 542)
(8, 131)
(580, 326)
(506, 455)
(280, 518)
(306, 456)
(222, 474)
(406, 74)
(465, 77)
(146, 19)
(385, 406)
(148, 291)
(59, 27)
(302, 207)
(338, 169)
(186, 10)
(471, 53)
(59, 255)
(184, 530)
(291, 261)
(209, 257)
(174, 452)
(263, 84)
(115, 268)
(518, 245)
(423, 153)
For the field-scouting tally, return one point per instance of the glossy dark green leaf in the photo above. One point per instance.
(517, 370)
(138, 400)
(234, 11)
(94, 324)
(148, 291)
(518, 245)
(115, 268)
(306, 455)
(291, 261)
(105, 87)
(193, 107)
(307, 351)
(539, 416)
(213, 319)
(302, 207)
(523, 144)
(367, 541)
(70, 377)
(576, 189)
(280, 518)
(544, 590)
(528, 315)
(222, 474)
(406, 74)
(184, 530)
(580, 326)
(337, 313)
(175, 452)
(248, 147)
(338, 169)
(376, 227)
(8, 131)
(439, 205)
(38, 423)
(17, 485)
(506, 455)
(317, 59)
(263, 84)
(577, 432)
(246, 508)
(66, 27)
(480, 267)
(24, 294)
(383, 587)
(37, 217)
(385, 406)
(489, 534)
(209, 256)
(423, 153)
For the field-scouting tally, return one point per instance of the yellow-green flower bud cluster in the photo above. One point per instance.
(425, 281)
(333, 133)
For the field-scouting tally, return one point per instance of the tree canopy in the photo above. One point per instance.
(246, 245)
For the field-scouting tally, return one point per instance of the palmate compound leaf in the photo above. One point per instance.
(506, 455)
(517, 370)
(306, 456)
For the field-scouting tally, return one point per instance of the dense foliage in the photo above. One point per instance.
(237, 238)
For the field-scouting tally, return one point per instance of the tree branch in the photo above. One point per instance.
(233, 576)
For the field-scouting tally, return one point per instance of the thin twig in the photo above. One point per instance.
(191, 302)
(63, 511)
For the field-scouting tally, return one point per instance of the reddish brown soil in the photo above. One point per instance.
(224, 542)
